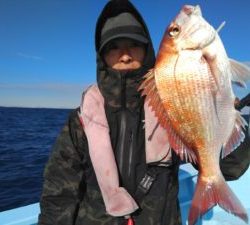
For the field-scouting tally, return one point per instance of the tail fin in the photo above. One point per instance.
(209, 194)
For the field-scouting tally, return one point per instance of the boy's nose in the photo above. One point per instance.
(125, 56)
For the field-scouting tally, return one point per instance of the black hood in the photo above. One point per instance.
(119, 88)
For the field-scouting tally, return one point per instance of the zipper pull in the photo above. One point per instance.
(130, 221)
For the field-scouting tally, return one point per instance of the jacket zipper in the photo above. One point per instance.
(123, 122)
(130, 152)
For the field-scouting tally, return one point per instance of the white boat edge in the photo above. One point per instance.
(28, 215)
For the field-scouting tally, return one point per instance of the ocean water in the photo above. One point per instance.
(26, 138)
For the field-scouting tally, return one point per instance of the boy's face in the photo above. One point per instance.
(124, 54)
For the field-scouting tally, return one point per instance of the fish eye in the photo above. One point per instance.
(174, 31)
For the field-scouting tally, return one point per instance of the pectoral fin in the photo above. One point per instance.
(240, 72)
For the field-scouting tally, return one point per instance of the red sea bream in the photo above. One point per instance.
(190, 91)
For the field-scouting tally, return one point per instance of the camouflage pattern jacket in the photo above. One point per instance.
(71, 195)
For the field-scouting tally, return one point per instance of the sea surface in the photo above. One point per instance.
(26, 139)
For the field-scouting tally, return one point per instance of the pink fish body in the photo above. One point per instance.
(190, 91)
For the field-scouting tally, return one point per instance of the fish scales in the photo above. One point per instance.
(191, 93)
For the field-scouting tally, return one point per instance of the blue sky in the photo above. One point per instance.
(47, 54)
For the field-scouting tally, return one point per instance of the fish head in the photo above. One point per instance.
(189, 30)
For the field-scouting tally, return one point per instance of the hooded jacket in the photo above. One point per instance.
(123, 103)
(71, 195)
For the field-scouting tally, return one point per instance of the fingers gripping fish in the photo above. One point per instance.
(190, 91)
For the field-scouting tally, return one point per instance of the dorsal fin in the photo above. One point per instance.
(149, 90)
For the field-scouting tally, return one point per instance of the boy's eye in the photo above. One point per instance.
(111, 46)
(121, 44)
(135, 44)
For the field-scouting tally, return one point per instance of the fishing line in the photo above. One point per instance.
(221, 26)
